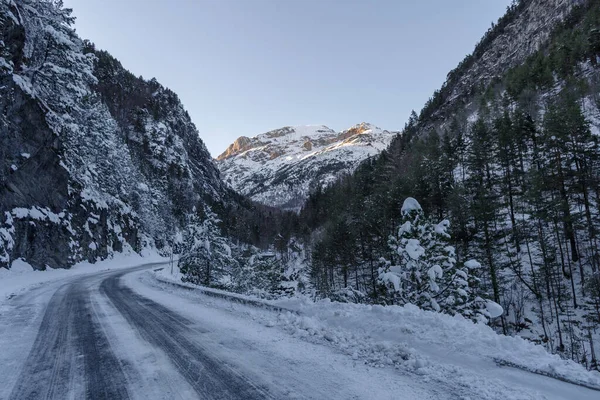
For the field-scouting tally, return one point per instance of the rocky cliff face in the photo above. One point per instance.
(93, 159)
(280, 168)
(508, 43)
(517, 40)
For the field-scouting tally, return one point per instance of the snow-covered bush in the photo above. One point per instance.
(260, 273)
(348, 295)
(270, 274)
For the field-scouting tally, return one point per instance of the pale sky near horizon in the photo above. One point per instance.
(244, 67)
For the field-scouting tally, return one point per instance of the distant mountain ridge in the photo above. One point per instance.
(280, 168)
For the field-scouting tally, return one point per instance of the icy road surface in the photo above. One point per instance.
(94, 337)
(121, 334)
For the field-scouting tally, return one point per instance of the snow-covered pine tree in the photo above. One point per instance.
(6, 239)
(426, 272)
(206, 255)
(261, 273)
(409, 279)
(459, 291)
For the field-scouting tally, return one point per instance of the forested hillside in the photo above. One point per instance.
(514, 166)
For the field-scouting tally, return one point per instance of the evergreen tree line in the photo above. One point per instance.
(515, 172)
(522, 194)
(509, 205)
(211, 257)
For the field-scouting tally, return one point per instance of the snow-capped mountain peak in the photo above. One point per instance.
(282, 166)
(290, 136)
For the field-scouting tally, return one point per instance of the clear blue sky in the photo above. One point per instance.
(243, 67)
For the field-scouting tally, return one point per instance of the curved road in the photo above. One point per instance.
(94, 337)
(123, 335)
(72, 357)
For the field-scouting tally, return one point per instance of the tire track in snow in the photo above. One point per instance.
(210, 377)
(71, 357)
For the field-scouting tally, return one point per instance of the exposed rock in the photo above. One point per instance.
(240, 145)
(510, 46)
(93, 159)
(281, 167)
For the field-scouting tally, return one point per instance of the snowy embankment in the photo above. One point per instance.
(435, 345)
(22, 277)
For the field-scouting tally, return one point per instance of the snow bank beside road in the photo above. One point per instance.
(165, 275)
(22, 276)
(420, 339)
(432, 344)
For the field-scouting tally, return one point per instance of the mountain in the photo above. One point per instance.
(282, 167)
(504, 160)
(93, 159)
(486, 205)
(526, 26)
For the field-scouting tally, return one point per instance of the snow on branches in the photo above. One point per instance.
(424, 271)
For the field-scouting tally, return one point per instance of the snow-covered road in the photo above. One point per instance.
(94, 336)
(122, 334)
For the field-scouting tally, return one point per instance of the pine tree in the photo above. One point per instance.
(460, 287)
(426, 272)
(206, 255)
(484, 207)
(408, 277)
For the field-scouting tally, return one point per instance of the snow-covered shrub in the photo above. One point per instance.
(260, 273)
(269, 274)
(348, 295)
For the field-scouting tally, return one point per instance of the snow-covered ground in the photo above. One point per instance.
(22, 277)
(289, 366)
(444, 351)
(314, 350)
(277, 364)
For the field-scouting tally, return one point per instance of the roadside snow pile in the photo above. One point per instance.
(425, 342)
(407, 335)
(18, 267)
(164, 275)
(21, 276)
(172, 275)
(451, 353)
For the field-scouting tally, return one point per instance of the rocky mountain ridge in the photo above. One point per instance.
(280, 168)
(525, 27)
(93, 159)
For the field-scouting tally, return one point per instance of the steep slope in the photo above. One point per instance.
(177, 169)
(281, 168)
(508, 151)
(524, 28)
(93, 159)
